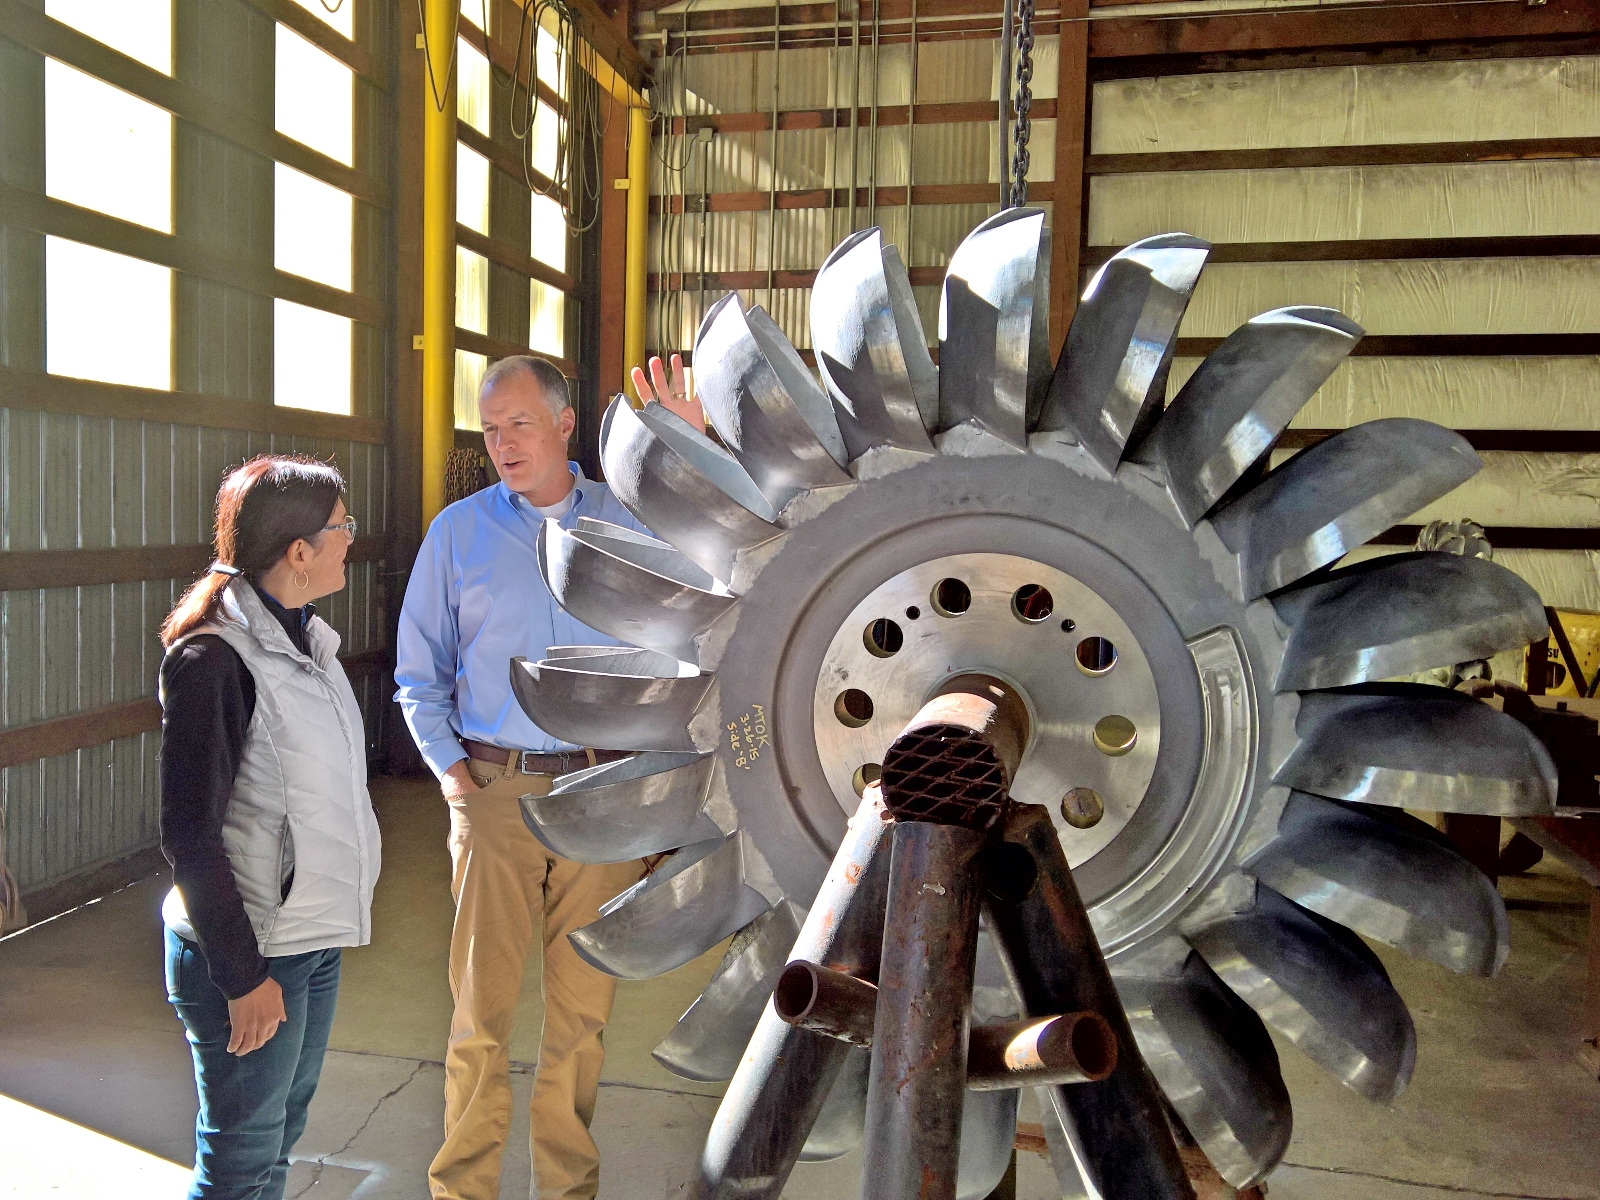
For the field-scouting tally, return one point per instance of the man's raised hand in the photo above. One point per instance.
(673, 394)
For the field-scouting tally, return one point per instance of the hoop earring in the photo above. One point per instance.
(301, 575)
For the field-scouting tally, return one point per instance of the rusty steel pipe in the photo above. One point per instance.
(1073, 1048)
(1117, 1127)
(786, 1073)
(918, 1081)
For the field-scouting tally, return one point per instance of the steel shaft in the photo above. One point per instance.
(1117, 1127)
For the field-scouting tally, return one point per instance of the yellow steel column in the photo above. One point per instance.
(438, 250)
(638, 258)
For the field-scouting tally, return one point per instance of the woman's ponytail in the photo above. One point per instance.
(263, 508)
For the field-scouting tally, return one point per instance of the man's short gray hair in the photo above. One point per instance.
(552, 383)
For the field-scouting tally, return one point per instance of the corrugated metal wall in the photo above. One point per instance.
(70, 482)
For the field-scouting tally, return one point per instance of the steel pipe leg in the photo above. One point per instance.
(1117, 1128)
(786, 1073)
(918, 1082)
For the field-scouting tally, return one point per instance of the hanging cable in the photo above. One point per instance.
(439, 97)
(1023, 102)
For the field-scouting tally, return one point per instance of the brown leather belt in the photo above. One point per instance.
(532, 762)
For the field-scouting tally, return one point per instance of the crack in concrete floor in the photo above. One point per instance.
(321, 1160)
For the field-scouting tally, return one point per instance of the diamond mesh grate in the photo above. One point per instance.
(945, 774)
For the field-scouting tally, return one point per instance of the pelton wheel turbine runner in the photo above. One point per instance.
(1212, 727)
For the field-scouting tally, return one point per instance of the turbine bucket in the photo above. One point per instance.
(682, 486)
(1402, 614)
(993, 327)
(618, 700)
(695, 899)
(637, 806)
(1332, 497)
(765, 405)
(1386, 882)
(1416, 746)
(1215, 1061)
(1317, 984)
(988, 1135)
(870, 348)
(649, 596)
(1111, 382)
(839, 1126)
(710, 1038)
(1242, 397)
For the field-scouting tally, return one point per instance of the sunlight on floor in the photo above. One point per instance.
(47, 1156)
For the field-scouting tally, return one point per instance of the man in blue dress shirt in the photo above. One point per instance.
(475, 599)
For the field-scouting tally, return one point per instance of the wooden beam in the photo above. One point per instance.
(1443, 345)
(514, 260)
(1505, 537)
(28, 26)
(1375, 249)
(1357, 25)
(39, 392)
(1068, 216)
(503, 158)
(1391, 154)
(95, 726)
(28, 570)
(888, 197)
(729, 281)
(494, 348)
(505, 58)
(325, 37)
(965, 112)
(56, 218)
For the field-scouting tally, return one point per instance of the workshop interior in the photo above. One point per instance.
(1073, 620)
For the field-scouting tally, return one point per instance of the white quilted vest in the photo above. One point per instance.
(300, 798)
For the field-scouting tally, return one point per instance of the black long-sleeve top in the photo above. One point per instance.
(209, 698)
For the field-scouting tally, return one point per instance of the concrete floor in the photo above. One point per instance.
(1498, 1108)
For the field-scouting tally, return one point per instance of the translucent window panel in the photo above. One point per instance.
(107, 316)
(311, 228)
(547, 132)
(548, 232)
(469, 373)
(141, 29)
(314, 97)
(472, 291)
(310, 358)
(341, 17)
(105, 149)
(547, 318)
(476, 11)
(472, 86)
(472, 189)
(552, 62)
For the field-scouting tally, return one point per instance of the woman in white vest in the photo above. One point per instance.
(265, 818)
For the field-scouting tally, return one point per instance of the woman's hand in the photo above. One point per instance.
(254, 1017)
(674, 395)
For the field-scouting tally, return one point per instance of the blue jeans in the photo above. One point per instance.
(252, 1108)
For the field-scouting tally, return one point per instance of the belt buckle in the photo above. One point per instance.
(522, 762)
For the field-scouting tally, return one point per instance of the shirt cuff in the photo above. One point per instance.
(442, 755)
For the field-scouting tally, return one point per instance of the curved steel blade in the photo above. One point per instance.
(1332, 497)
(710, 1038)
(988, 1136)
(625, 589)
(765, 405)
(841, 1123)
(627, 809)
(695, 899)
(1401, 614)
(1216, 1063)
(1416, 746)
(1111, 382)
(988, 351)
(870, 347)
(1242, 397)
(1385, 882)
(691, 492)
(1318, 985)
(623, 700)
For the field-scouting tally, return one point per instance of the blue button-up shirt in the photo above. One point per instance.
(475, 599)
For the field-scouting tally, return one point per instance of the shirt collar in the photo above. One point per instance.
(519, 502)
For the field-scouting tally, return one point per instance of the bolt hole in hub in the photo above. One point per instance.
(1096, 729)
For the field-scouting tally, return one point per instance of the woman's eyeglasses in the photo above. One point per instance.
(348, 525)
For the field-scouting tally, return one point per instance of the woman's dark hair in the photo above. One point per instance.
(263, 508)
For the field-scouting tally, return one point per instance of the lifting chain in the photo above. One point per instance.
(1022, 103)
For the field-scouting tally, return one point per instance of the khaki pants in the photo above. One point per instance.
(506, 887)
